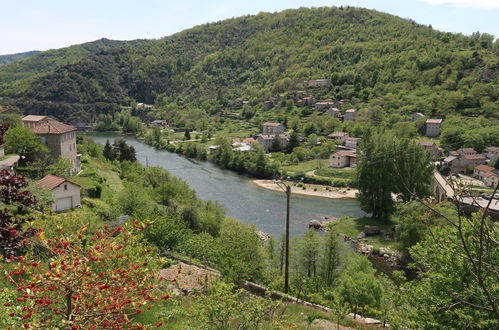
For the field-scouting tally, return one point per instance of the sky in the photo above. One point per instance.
(40, 25)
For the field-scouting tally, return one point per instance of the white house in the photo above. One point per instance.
(66, 193)
(492, 154)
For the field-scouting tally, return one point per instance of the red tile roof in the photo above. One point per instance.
(271, 124)
(484, 168)
(53, 127)
(345, 153)
(352, 139)
(51, 182)
(351, 110)
(474, 157)
(492, 149)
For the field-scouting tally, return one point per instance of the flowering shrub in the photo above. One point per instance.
(88, 281)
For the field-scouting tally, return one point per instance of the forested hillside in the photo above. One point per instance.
(380, 62)
(4, 59)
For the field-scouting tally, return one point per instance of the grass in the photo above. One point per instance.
(306, 166)
(96, 172)
(346, 173)
(352, 227)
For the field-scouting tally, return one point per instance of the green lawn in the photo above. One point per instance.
(307, 166)
(340, 173)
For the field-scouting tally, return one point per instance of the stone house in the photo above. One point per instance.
(349, 115)
(417, 115)
(272, 128)
(266, 140)
(480, 171)
(324, 105)
(317, 83)
(66, 193)
(351, 142)
(237, 103)
(492, 154)
(144, 106)
(309, 101)
(160, 123)
(334, 112)
(491, 178)
(59, 137)
(462, 160)
(338, 136)
(431, 147)
(433, 127)
(342, 159)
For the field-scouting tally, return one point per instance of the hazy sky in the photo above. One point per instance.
(45, 24)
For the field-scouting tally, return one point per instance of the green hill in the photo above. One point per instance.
(4, 59)
(376, 60)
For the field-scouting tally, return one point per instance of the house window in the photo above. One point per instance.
(65, 187)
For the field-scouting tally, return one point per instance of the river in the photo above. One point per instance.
(241, 199)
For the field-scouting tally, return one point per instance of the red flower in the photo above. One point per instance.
(159, 324)
(165, 296)
(26, 325)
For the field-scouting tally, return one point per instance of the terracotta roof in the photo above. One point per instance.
(352, 139)
(51, 182)
(338, 134)
(434, 121)
(351, 110)
(34, 118)
(491, 173)
(2, 110)
(484, 168)
(427, 144)
(53, 127)
(474, 157)
(492, 149)
(271, 124)
(466, 151)
(248, 140)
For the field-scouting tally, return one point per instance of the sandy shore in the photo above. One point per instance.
(335, 193)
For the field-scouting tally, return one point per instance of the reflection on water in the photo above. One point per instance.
(237, 194)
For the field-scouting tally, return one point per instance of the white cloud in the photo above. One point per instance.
(483, 4)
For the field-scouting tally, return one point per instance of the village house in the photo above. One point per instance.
(349, 115)
(300, 103)
(298, 95)
(272, 128)
(160, 123)
(338, 136)
(237, 103)
(492, 154)
(7, 111)
(342, 159)
(143, 106)
(417, 115)
(59, 137)
(431, 147)
(66, 193)
(487, 174)
(334, 112)
(433, 127)
(266, 140)
(324, 105)
(463, 160)
(309, 101)
(317, 83)
(351, 142)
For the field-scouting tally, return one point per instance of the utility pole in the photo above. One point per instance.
(286, 187)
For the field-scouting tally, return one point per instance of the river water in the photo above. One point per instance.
(241, 199)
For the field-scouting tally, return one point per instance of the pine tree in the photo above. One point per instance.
(330, 258)
(108, 151)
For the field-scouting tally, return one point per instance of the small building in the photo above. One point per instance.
(317, 83)
(491, 178)
(309, 101)
(31, 121)
(160, 123)
(334, 112)
(66, 193)
(433, 127)
(338, 136)
(343, 158)
(144, 106)
(431, 147)
(480, 171)
(491, 153)
(7, 111)
(59, 137)
(237, 103)
(272, 128)
(266, 140)
(350, 115)
(351, 142)
(417, 115)
(324, 105)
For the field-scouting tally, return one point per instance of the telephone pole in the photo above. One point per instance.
(286, 187)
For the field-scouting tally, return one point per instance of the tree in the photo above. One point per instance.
(375, 174)
(12, 227)
(330, 258)
(496, 165)
(99, 281)
(187, 135)
(61, 167)
(309, 252)
(415, 168)
(293, 142)
(123, 151)
(108, 151)
(276, 144)
(22, 141)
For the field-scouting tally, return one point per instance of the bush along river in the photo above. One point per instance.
(238, 195)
